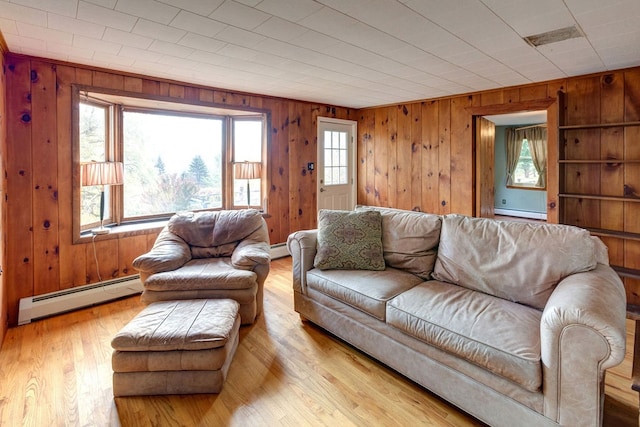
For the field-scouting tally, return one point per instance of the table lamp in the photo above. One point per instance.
(248, 171)
(101, 174)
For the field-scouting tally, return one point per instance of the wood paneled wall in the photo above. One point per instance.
(421, 155)
(40, 255)
(3, 186)
(418, 155)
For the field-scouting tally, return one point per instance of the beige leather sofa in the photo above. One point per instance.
(212, 255)
(514, 323)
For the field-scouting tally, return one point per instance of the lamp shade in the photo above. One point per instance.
(248, 170)
(101, 173)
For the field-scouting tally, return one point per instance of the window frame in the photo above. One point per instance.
(114, 151)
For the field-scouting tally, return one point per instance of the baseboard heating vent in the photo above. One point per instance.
(45, 305)
(279, 251)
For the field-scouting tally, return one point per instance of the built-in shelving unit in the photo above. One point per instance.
(599, 170)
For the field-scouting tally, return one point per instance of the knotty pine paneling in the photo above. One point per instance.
(3, 187)
(40, 256)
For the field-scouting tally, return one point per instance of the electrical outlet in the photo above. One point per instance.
(311, 166)
(504, 201)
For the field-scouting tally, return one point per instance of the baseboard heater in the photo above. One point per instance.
(37, 307)
(279, 251)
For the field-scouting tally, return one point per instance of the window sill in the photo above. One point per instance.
(123, 230)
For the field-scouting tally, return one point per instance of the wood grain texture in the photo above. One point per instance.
(3, 192)
(286, 372)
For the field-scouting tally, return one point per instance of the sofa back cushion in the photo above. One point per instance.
(214, 234)
(349, 240)
(521, 262)
(409, 239)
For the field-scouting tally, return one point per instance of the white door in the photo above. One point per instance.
(336, 164)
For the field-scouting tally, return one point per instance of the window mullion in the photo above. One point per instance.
(117, 155)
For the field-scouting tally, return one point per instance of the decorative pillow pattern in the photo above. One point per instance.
(349, 240)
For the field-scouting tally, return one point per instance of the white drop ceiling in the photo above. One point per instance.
(352, 53)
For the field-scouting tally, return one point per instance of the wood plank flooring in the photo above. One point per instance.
(57, 372)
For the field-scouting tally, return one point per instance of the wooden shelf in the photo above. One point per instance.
(599, 197)
(614, 233)
(599, 125)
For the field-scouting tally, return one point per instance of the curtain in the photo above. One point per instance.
(513, 147)
(537, 138)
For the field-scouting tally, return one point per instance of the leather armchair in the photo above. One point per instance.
(219, 254)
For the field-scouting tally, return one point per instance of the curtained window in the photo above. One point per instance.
(526, 151)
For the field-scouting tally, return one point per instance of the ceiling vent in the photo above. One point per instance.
(554, 36)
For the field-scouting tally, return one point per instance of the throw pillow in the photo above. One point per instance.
(349, 240)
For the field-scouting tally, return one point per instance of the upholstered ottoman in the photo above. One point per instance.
(176, 347)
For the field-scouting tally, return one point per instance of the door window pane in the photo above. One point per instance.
(335, 158)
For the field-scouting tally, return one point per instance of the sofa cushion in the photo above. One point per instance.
(409, 239)
(349, 240)
(490, 332)
(209, 229)
(367, 291)
(197, 274)
(521, 262)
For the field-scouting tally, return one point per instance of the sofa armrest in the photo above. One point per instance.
(302, 246)
(169, 252)
(582, 333)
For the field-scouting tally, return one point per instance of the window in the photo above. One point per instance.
(176, 157)
(335, 158)
(525, 173)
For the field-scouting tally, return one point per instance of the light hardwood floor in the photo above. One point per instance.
(57, 372)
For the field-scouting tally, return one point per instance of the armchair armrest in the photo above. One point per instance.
(582, 334)
(253, 250)
(302, 246)
(169, 252)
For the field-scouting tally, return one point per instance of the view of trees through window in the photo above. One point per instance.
(173, 161)
(525, 173)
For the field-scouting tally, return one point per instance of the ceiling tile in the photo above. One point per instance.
(127, 39)
(76, 26)
(141, 54)
(281, 29)
(158, 31)
(291, 10)
(239, 36)
(239, 15)
(95, 44)
(110, 18)
(196, 41)
(148, 9)
(201, 7)
(46, 34)
(197, 24)
(61, 7)
(24, 14)
(104, 3)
